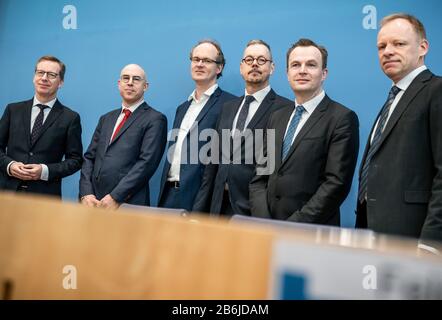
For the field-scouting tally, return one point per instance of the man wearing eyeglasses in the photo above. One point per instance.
(225, 186)
(182, 173)
(125, 149)
(317, 143)
(36, 134)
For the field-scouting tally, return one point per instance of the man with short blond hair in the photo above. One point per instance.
(400, 178)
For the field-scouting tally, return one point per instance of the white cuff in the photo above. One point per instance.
(7, 168)
(44, 172)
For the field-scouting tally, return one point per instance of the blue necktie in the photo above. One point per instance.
(242, 117)
(375, 143)
(287, 143)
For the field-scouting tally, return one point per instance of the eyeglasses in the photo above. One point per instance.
(135, 79)
(197, 60)
(260, 60)
(49, 75)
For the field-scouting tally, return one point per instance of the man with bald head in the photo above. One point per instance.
(126, 148)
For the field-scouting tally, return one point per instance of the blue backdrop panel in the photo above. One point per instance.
(159, 35)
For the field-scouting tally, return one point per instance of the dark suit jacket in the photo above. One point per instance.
(60, 137)
(310, 185)
(237, 176)
(123, 168)
(404, 188)
(191, 174)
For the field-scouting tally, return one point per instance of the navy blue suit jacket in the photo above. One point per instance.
(123, 168)
(60, 137)
(237, 176)
(191, 174)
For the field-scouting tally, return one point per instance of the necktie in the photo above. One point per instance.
(375, 143)
(287, 143)
(38, 123)
(240, 123)
(127, 113)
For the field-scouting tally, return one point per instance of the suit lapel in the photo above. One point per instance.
(416, 85)
(311, 122)
(282, 123)
(109, 124)
(134, 116)
(262, 109)
(27, 111)
(209, 104)
(53, 115)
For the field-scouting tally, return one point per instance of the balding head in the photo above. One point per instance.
(132, 84)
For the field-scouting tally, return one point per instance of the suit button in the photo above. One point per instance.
(280, 174)
(31, 154)
(278, 198)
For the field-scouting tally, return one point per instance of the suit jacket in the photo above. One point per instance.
(191, 174)
(404, 188)
(237, 175)
(60, 137)
(311, 183)
(123, 167)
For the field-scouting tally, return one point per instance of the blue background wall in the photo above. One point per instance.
(158, 36)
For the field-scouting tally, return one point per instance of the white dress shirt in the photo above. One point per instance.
(34, 113)
(186, 124)
(254, 105)
(402, 84)
(309, 107)
(131, 108)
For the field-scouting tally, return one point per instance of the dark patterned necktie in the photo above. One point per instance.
(38, 123)
(287, 143)
(375, 143)
(242, 117)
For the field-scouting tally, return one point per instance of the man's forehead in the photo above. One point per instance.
(305, 53)
(256, 49)
(206, 48)
(133, 70)
(48, 64)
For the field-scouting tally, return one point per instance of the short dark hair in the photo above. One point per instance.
(220, 57)
(259, 41)
(415, 22)
(53, 59)
(309, 43)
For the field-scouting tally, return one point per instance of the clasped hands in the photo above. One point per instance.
(23, 171)
(107, 202)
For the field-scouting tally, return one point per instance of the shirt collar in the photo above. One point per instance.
(133, 107)
(311, 105)
(405, 82)
(206, 93)
(259, 95)
(50, 104)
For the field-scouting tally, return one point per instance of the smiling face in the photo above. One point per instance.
(46, 88)
(256, 75)
(400, 49)
(305, 73)
(132, 84)
(205, 69)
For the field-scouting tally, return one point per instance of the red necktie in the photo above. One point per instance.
(127, 113)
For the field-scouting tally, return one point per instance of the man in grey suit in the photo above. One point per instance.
(316, 147)
(400, 178)
(126, 148)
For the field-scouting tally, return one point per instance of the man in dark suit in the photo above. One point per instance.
(126, 148)
(183, 171)
(224, 190)
(36, 134)
(400, 178)
(316, 148)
